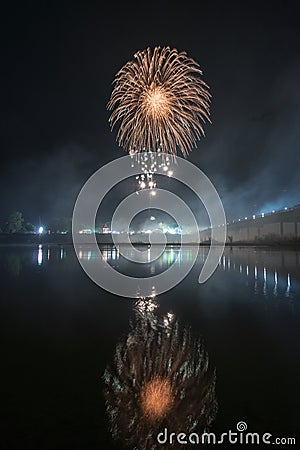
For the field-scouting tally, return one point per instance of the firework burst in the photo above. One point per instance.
(160, 378)
(160, 102)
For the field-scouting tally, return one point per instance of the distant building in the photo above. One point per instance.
(86, 231)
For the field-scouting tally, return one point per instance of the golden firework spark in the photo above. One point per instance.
(160, 102)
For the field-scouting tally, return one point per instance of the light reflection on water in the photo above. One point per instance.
(270, 272)
(46, 253)
(112, 253)
(120, 258)
(267, 272)
(40, 255)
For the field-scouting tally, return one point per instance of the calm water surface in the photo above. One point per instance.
(60, 332)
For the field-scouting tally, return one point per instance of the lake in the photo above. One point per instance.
(75, 357)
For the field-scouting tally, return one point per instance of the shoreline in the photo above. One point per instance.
(7, 240)
(285, 246)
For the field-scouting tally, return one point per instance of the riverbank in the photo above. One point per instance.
(136, 239)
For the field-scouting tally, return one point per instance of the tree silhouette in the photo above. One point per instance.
(14, 223)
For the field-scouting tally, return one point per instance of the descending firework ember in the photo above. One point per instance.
(160, 378)
(160, 101)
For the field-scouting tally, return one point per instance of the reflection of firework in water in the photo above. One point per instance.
(157, 398)
(160, 101)
(160, 378)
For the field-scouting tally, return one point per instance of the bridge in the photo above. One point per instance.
(275, 226)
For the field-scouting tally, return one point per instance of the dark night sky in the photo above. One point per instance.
(58, 61)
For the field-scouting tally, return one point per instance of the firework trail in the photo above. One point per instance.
(160, 378)
(160, 102)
